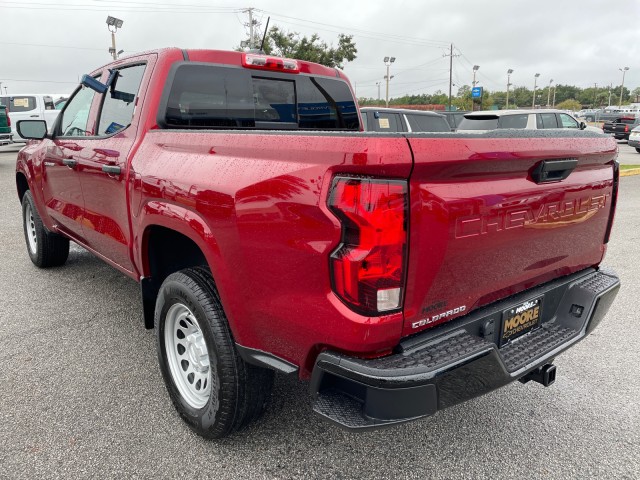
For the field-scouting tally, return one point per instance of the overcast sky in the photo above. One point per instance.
(46, 45)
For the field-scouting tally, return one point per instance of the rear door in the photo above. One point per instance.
(483, 226)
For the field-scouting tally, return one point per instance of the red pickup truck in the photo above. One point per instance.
(399, 273)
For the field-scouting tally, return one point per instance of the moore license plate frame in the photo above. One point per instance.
(520, 319)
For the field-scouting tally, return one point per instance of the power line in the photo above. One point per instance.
(51, 46)
(35, 81)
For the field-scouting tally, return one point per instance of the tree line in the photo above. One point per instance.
(567, 97)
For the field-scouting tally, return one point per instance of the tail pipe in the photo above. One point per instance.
(544, 375)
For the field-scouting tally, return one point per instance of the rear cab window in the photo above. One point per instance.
(205, 96)
(479, 122)
(19, 103)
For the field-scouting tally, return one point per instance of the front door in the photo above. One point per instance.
(61, 182)
(103, 169)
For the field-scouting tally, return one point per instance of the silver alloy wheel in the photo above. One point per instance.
(30, 227)
(187, 355)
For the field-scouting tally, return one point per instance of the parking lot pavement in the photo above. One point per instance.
(627, 155)
(81, 394)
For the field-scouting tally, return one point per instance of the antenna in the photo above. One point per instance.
(266, 29)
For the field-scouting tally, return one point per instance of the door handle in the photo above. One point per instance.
(111, 169)
(70, 162)
(553, 170)
(34, 116)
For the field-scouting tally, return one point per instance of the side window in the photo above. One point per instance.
(386, 122)
(547, 120)
(48, 103)
(20, 104)
(365, 121)
(120, 101)
(567, 121)
(76, 114)
(513, 121)
(427, 123)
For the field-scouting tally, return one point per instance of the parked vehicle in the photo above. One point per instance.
(29, 107)
(620, 127)
(5, 126)
(634, 138)
(538, 119)
(454, 118)
(402, 120)
(399, 273)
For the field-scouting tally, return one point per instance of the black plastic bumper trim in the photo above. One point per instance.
(454, 363)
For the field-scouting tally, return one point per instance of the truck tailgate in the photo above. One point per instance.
(482, 228)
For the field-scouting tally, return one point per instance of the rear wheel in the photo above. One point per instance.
(45, 248)
(638, 149)
(213, 389)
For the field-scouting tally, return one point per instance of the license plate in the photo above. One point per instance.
(520, 319)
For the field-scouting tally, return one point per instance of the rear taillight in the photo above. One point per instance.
(626, 128)
(8, 119)
(264, 62)
(368, 267)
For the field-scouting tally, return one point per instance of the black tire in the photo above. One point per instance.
(239, 392)
(49, 249)
(638, 149)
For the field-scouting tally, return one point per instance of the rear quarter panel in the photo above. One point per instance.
(268, 233)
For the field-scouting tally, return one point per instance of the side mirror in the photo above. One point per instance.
(583, 125)
(32, 129)
(93, 84)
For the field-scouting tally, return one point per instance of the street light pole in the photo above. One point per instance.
(622, 86)
(535, 81)
(473, 84)
(388, 61)
(113, 24)
(549, 92)
(509, 72)
(378, 85)
(553, 105)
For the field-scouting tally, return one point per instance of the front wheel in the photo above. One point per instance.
(637, 149)
(213, 389)
(45, 248)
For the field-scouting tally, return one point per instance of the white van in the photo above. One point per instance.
(29, 106)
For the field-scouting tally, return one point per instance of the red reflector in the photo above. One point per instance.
(264, 62)
(368, 267)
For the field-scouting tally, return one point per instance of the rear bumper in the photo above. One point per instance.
(634, 143)
(5, 138)
(459, 360)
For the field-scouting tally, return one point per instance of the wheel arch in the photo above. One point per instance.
(172, 238)
(22, 185)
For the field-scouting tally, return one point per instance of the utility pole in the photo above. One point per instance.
(252, 24)
(450, 55)
(509, 72)
(595, 95)
(553, 105)
(549, 92)
(378, 85)
(610, 94)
